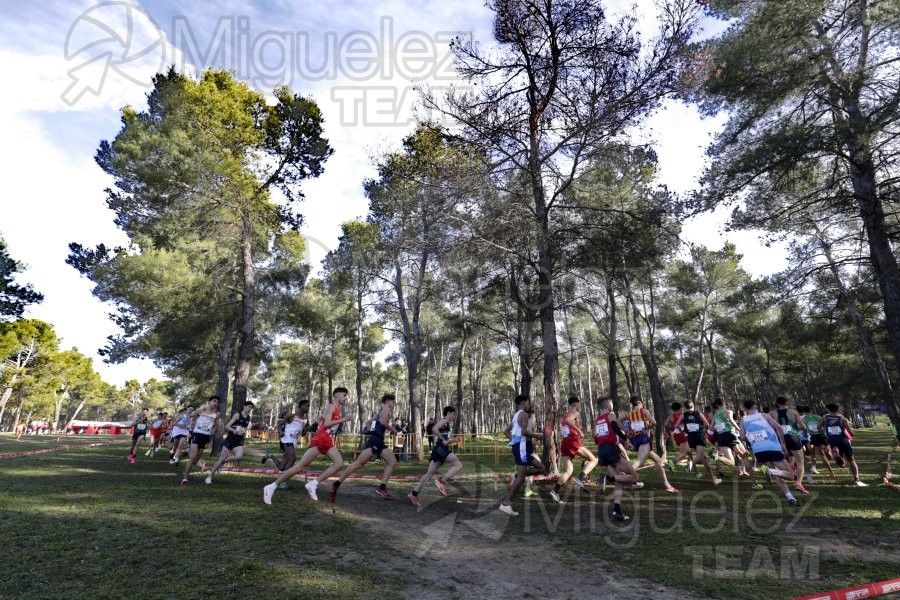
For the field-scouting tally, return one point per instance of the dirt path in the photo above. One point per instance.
(458, 547)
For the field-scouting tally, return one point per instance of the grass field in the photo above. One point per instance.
(83, 523)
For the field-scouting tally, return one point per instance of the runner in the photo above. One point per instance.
(837, 428)
(294, 427)
(642, 425)
(611, 455)
(727, 441)
(674, 426)
(375, 448)
(181, 429)
(696, 427)
(571, 448)
(818, 441)
(156, 431)
(233, 447)
(167, 426)
(791, 425)
(441, 453)
(207, 420)
(140, 425)
(520, 436)
(765, 435)
(321, 443)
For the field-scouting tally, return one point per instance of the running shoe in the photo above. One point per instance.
(814, 470)
(507, 510)
(414, 499)
(529, 493)
(765, 471)
(580, 483)
(183, 483)
(148, 452)
(603, 484)
(756, 486)
(208, 480)
(859, 483)
(384, 493)
(671, 489)
(267, 456)
(133, 460)
(311, 490)
(268, 492)
(717, 481)
(637, 485)
(620, 517)
(689, 467)
(671, 466)
(172, 461)
(793, 502)
(332, 493)
(440, 486)
(555, 495)
(810, 480)
(283, 486)
(799, 487)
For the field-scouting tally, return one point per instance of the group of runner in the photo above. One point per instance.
(774, 443)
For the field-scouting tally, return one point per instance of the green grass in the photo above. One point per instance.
(722, 546)
(86, 524)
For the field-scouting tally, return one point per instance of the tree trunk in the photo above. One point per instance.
(612, 352)
(870, 353)
(225, 349)
(714, 365)
(648, 353)
(248, 314)
(459, 380)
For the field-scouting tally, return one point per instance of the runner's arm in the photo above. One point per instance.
(231, 421)
(801, 423)
(846, 423)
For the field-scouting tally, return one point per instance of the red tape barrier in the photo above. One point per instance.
(56, 449)
(870, 590)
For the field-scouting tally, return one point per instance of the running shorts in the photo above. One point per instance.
(322, 442)
(233, 441)
(640, 440)
(522, 452)
(439, 454)
(608, 454)
(570, 448)
(768, 456)
(843, 447)
(376, 444)
(726, 439)
(792, 443)
(201, 439)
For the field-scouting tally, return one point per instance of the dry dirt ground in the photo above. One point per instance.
(462, 547)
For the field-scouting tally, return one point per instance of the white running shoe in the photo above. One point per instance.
(268, 492)
(148, 453)
(859, 483)
(208, 480)
(578, 481)
(507, 509)
(637, 485)
(814, 470)
(311, 490)
(554, 495)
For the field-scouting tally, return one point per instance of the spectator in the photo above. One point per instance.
(404, 429)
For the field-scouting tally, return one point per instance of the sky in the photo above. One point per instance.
(72, 65)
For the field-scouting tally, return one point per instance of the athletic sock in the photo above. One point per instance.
(617, 508)
(790, 496)
(382, 487)
(415, 493)
(556, 487)
(581, 476)
(336, 484)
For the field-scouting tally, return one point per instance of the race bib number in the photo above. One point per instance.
(693, 427)
(813, 428)
(637, 426)
(834, 430)
(373, 425)
(786, 429)
(564, 430)
(240, 430)
(721, 427)
(141, 426)
(756, 436)
(601, 430)
(204, 426)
